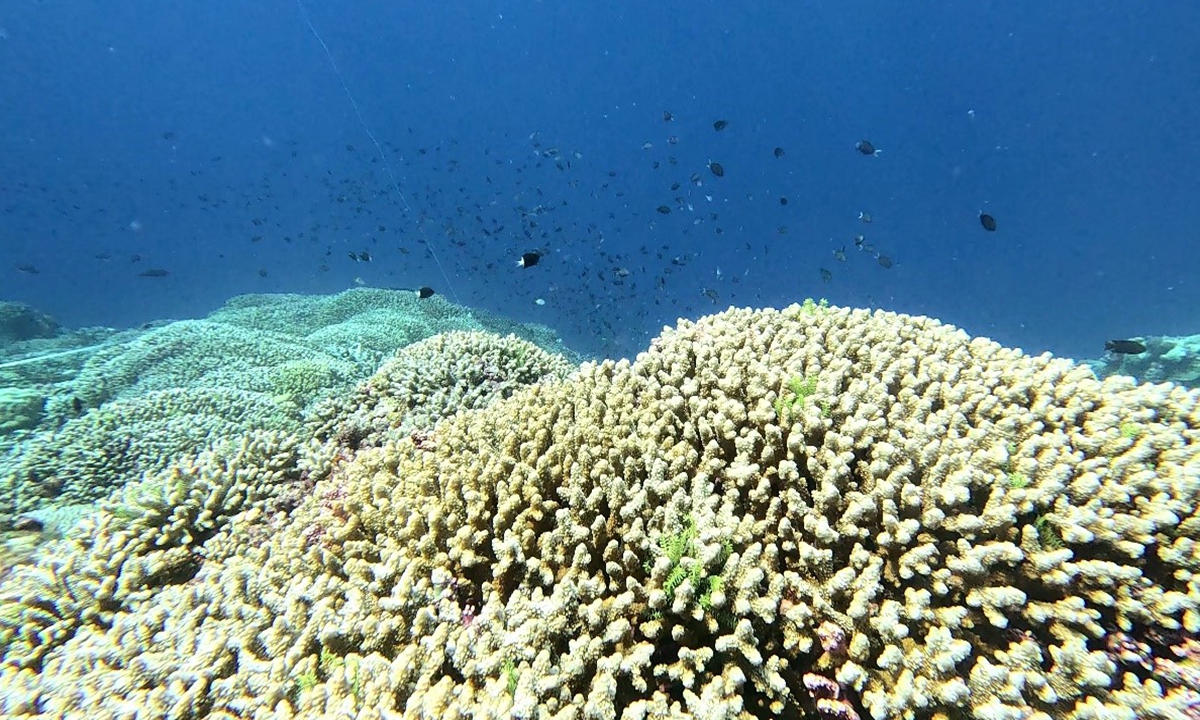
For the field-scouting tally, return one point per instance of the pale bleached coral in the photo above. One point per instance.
(107, 447)
(433, 379)
(937, 526)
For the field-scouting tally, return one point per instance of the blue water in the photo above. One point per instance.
(178, 132)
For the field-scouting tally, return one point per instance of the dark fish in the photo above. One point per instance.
(885, 262)
(865, 217)
(717, 168)
(76, 405)
(667, 117)
(826, 276)
(262, 272)
(529, 259)
(353, 255)
(866, 148)
(103, 256)
(1125, 347)
(778, 152)
(29, 269)
(987, 221)
(168, 135)
(840, 254)
(153, 272)
(424, 293)
(364, 256)
(720, 125)
(664, 209)
(783, 201)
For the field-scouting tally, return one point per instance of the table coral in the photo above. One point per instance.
(547, 555)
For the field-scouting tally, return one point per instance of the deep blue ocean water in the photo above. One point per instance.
(214, 141)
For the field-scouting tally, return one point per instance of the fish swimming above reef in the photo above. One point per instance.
(529, 259)
(866, 148)
(425, 292)
(987, 221)
(1125, 347)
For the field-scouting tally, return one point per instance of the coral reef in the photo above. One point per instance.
(90, 456)
(19, 321)
(143, 400)
(656, 539)
(20, 408)
(1167, 359)
(433, 379)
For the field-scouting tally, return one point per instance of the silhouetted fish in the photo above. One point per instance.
(153, 272)
(987, 221)
(866, 148)
(1125, 347)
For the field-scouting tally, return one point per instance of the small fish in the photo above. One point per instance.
(29, 269)
(783, 201)
(154, 273)
(529, 259)
(262, 272)
(364, 256)
(840, 254)
(712, 295)
(866, 148)
(667, 117)
(76, 404)
(1125, 347)
(778, 152)
(103, 256)
(859, 240)
(647, 145)
(865, 217)
(353, 256)
(720, 125)
(665, 210)
(826, 276)
(424, 293)
(885, 262)
(987, 221)
(717, 168)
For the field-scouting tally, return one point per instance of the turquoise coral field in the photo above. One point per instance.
(611, 361)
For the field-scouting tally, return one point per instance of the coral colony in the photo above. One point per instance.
(811, 513)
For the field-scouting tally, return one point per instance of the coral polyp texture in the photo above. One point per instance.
(807, 513)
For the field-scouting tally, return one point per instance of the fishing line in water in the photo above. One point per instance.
(378, 148)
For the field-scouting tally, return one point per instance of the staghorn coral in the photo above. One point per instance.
(873, 559)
